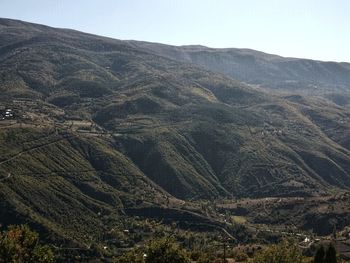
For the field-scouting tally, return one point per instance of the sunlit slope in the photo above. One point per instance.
(264, 70)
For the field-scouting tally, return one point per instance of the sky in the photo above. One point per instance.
(316, 29)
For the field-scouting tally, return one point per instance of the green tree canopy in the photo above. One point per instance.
(19, 244)
(165, 250)
(284, 252)
(131, 256)
(328, 255)
(331, 254)
(319, 256)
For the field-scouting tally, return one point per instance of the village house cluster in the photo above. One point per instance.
(6, 114)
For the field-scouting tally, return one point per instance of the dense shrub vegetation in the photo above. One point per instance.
(157, 251)
(19, 244)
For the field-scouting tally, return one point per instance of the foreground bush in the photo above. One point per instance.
(285, 252)
(21, 245)
(134, 256)
(163, 250)
(328, 255)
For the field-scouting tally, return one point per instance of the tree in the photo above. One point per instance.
(331, 254)
(241, 257)
(284, 252)
(320, 254)
(134, 256)
(19, 244)
(165, 250)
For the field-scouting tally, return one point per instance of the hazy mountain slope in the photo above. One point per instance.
(259, 68)
(109, 125)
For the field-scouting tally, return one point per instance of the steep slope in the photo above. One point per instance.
(66, 183)
(193, 132)
(100, 125)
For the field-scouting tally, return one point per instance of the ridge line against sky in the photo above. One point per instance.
(299, 28)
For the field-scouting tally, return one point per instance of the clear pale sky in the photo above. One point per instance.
(317, 29)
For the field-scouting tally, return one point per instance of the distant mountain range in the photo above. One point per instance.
(258, 68)
(102, 125)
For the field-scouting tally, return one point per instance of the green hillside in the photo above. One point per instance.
(99, 126)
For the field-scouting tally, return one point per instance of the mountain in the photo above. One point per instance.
(94, 128)
(258, 68)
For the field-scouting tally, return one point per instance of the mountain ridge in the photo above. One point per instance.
(259, 68)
